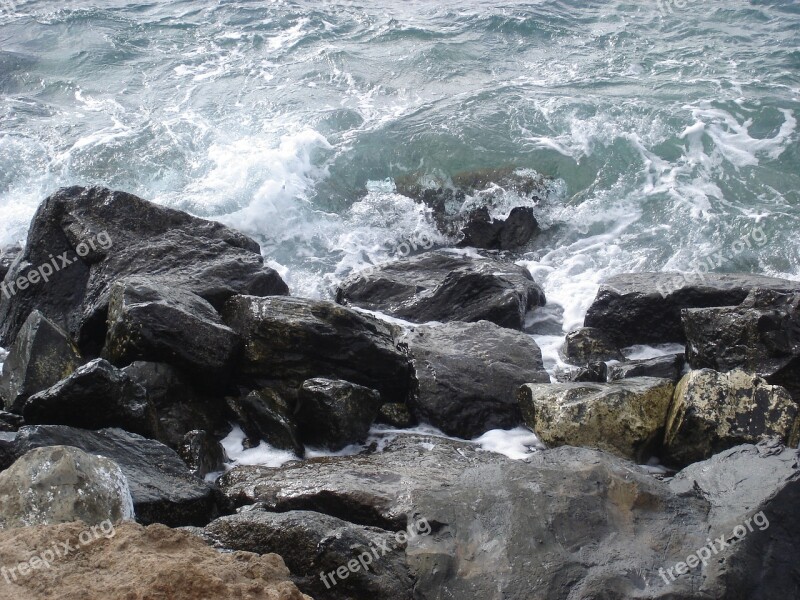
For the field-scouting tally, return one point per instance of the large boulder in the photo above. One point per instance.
(41, 356)
(715, 411)
(162, 487)
(82, 240)
(290, 340)
(624, 417)
(761, 335)
(467, 375)
(567, 523)
(61, 484)
(645, 308)
(333, 414)
(586, 345)
(446, 286)
(96, 395)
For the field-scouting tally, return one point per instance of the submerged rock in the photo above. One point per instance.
(61, 484)
(714, 411)
(482, 231)
(444, 286)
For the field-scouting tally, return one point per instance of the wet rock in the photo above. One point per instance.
(444, 286)
(625, 417)
(596, 372)
(290, 340)
(587, 345)
(714, 411)
(42, 355)
(665, 367)
(482, 231)
(95, 236)
(10, 421)
(265, 415)
(61, 484)
(202, 453)
(8, 255)
(467, 375)
(162, 487)
(333, 414)
(397, 415)
(645, 308)
(96, 395)
(313, 545)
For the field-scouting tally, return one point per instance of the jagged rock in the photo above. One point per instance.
(42, 355)
(481, 231)
(397, 415)
(314, 545)
(333, 414)
(714, 411)
(665, 367)
(290, 340)
(587, 345)
(96, 395)
(95, 236)
(625, 417)
(761, 335)
(159, 323)
(61, 484)
(202, 453)
(444, 286)
(467, 375)
(645, 308)
(8, 255)
(265, 415)
(162, 487)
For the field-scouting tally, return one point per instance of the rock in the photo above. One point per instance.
(153, 322)
(568, 522)
(645, 308)
(596, 372)
(98, 236)
(130, 561)
(162, 487)
(444, 286)
(587, 345)
(314, 546)
(625, 417)
(61, 484)
(333, 414)
(181, 408)
(467, 375)
(8, 255)
(762, 336)
(714, 411)
(665, 367)
(96, 395)
(42, 355)
(396, 415)
(10, 421)
(290, 340)
(202, 453)
(265, 415)
(481, 231)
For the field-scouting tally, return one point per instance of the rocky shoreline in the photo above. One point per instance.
(142, 335)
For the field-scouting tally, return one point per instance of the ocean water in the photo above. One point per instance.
(667, 131)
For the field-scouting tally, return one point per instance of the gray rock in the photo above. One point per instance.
(265, 415)
(625, 417)
(202, 453)
(397, 415)
(714, 411)
(61, 484)
(10, 421)
(645, 308)
(333, 414)
(596, 372)
(444, 286)
(42, 355)
(665, 367)
(587, 345)
(467, 375)
(8, 255)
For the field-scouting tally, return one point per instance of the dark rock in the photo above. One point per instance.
(481, 231)
(397, 415)
(665, 367)
(10, 421)
(587, 345)
(596, 372)
(265, 415)
(106, 236)
(645, 308)
(333, 414)
(468, 373)
(162, 487)
(313, 544)
(290, 340)
(96, 395)
(443, 286)
(7, 257)
(202, 453)
(42, 355)
(158, 323)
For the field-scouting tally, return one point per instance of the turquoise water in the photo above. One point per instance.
(668, 132)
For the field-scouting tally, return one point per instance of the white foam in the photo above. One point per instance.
(642, 352)
(263, 454)
(517, 444)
